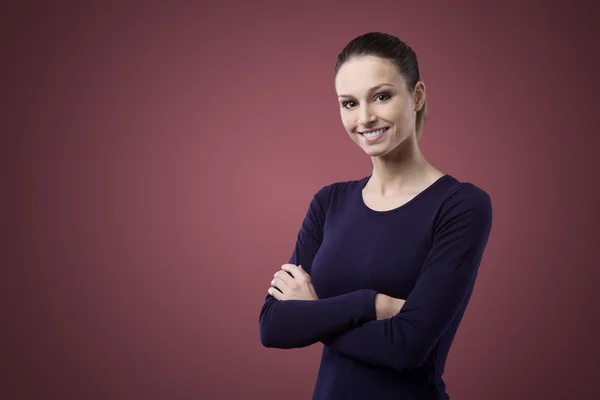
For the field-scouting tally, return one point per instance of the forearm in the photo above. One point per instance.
(385, 307)
(405, 340)
(401, 342)
(300, 323)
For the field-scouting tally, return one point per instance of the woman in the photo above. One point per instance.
(383, 266)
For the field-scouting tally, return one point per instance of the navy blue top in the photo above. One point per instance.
(427, 251)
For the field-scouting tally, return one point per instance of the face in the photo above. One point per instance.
(377, 109)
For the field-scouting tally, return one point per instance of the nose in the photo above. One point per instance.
(365, 116)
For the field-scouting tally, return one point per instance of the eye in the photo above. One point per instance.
(347, 104)
(382, 96)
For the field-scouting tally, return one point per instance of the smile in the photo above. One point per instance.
(373, 135)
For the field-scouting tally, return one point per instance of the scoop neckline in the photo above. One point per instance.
(408, 203)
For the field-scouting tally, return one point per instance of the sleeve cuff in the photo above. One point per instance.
(366, 308)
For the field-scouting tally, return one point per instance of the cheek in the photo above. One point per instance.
(347, 121)
(393, 111)
(399, 114)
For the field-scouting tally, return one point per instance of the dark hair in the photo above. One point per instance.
(392, 49)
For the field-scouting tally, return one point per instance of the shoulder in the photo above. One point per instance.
(465, 204)
(339, 189)
(334, 194)
(468, 195)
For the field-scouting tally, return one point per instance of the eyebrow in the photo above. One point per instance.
(374, 88)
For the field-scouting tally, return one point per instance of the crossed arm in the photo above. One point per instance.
(349, 324)
(298, 323)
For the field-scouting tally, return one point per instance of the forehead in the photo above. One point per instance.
(358, 75)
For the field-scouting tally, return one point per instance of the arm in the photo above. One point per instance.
(442, 290)
(299, 323)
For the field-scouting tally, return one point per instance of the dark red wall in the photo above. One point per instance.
(160, 160)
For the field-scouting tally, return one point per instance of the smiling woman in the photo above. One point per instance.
(384, 266)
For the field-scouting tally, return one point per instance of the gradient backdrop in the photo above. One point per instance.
(160, 160)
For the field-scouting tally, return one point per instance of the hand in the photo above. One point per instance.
(386, 306)
(298, 286)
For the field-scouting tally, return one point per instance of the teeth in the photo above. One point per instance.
(374, 134)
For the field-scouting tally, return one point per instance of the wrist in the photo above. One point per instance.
(383, 305)
(392, 307)
(398, 304)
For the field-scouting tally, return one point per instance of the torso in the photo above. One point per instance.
(384, 252)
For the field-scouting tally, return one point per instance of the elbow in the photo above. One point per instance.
(267, 329)
(266, 336)
(275, 332)
(271, 340)
(270, 336)
(266, 341)
(274, 338)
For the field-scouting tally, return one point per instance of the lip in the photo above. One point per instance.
(374, 129)
(375, 139)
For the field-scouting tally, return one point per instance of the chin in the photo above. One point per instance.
(378, 149)
(376, 153)
(385, 148)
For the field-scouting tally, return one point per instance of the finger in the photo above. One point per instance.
(275, 293)
(298, 273)
(285, 277)
(292, 269)
(289, 269)
(279, 284)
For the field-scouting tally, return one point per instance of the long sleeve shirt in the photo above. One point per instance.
(427, 251)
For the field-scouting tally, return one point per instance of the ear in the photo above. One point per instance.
(419, 95)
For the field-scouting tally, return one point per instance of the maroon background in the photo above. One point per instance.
(160, 160)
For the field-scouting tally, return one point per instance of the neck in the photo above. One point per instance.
(400, 170)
